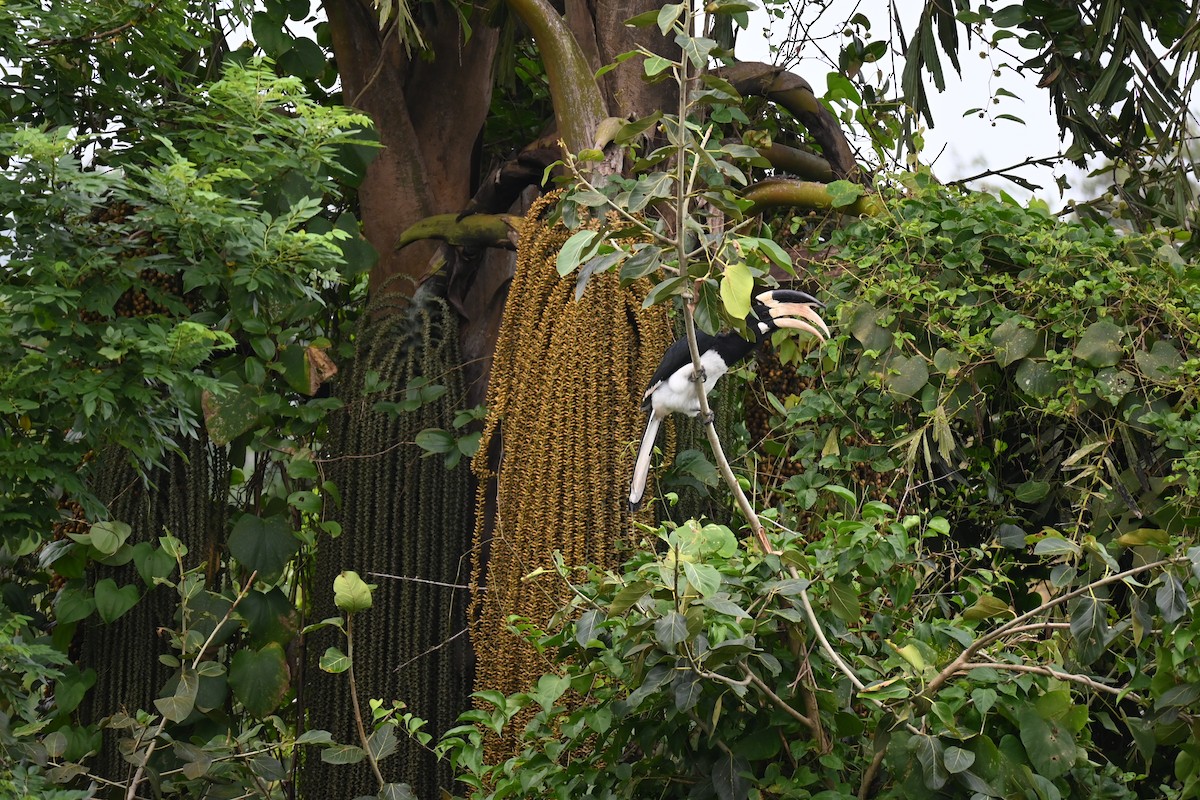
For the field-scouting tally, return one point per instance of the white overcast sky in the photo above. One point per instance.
(957, 146)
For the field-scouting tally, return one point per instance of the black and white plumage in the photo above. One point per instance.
(672, 389)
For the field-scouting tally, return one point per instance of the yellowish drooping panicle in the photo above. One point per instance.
(557, 448)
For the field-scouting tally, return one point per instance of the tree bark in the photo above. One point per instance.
(428, 113)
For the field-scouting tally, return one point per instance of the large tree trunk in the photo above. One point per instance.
(428, 113)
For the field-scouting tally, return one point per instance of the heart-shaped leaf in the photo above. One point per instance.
(907, 375)
(112, 602)
(1013, 340)
(1100, 344)
(259, 678)
(264, 545)
(152, 562)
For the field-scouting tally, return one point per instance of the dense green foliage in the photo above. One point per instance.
(1016, 619)
(192, 278)
(1027, 377)
(988, 571)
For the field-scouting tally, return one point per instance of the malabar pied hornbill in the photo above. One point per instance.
(672, 389)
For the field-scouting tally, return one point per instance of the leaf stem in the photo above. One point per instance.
(358, 719)
(139, 774)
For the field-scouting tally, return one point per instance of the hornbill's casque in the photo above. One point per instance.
(672, 389)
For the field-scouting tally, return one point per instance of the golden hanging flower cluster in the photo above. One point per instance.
(558, 445)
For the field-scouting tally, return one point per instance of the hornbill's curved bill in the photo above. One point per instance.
(672, 389)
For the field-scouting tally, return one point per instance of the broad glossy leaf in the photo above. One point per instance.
(727, 778)
(736, 287)
(985, 607)
(178, 706)
(111, 601)
(1013, 340)
(1171, 598)
(928, 751)
(704, 578)
(1100, 344)
(957, 759)
(351, 593)
(1048, 745)
(1159, 362)
(152, 562)
(264, 545)
(670, 630)
(343, 754)
(259, 678)
(906, 375)
(1037, 378)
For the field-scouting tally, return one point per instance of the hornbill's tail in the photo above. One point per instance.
(641, 467)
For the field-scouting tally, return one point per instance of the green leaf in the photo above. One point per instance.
(842, 493)
(270, 616)
(1171, 598)
(72, 605)
(670, 630)
(575, 250)
(263, 545)
(985, 607)
(315, 737)
(343, 754)
(1049, 747)
(957, 759)
(334, 660)
(653, 65)
(152, 562)
(112, 602)
(108, 536)
(1013, 340)
(1100, 344)
(737, 284)
(1031, 492)
(928, 751)
(667, 16)
(382, 743)
(844, 602)
(548, 689)
(845, 193)
(1160, 362)
(179, 705)
(628, 596)
(259, 678)
(906, 375)
(704, 578)
(1055, 546)
(1037, 379)
(728, 777)
(435, 440)
(351, 593)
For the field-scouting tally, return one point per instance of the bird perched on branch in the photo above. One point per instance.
(673, 389)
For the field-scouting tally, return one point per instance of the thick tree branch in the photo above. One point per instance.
(477, 230)
(796, 95)
(789, 193)
(578, 105)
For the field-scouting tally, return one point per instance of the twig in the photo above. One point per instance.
(131, 792)
(864, 789)
(1038, 669)
(1045, 161)
(98, 35)
(803, 719)
(358, 720)
(427, 581)
(1018, 623)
